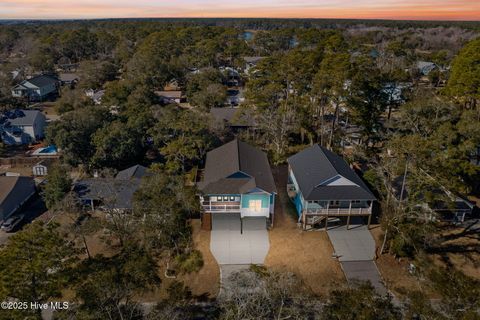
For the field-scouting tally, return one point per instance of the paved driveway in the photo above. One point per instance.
(229, 246)
(356, 244)
(364, 271)
(355, 249)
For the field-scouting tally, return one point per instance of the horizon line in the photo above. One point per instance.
(234, 18)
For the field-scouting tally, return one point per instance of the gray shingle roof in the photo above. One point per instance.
(42, 81)
(27, 120)
(236, 157)
(115, 194)
(136, 172)
(315, 165)
(8, 184)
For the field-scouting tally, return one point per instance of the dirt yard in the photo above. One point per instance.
(394, 271)
(459, 250)
(207, 280)
(308, 254)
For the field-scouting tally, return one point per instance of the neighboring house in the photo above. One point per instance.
(234, 97)
(425, 67)
(352, 135)
(135, 172)
(237, 180)
(22, 126)
(96, 96)
(232, 77)
(441, 204)
(14, 192)
(111, 193)
(166, 97)
(36, 89)
(68, 79)
(251, 62)
(233, 118)
(322, 185)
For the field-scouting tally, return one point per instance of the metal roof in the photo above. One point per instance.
(316, 165)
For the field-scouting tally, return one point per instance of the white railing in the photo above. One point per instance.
(338, 211)
(208, 207)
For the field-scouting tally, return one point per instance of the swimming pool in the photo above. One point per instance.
(49, 149)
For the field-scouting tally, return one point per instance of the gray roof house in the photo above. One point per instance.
(321, 184)
(111, 193)
(237, 180)
(68, 79)
(22, 126)
(135, 172)
(37, 88)
(14, 192)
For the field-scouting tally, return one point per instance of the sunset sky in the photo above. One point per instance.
(385, 9)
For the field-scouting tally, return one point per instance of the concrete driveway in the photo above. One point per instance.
(364, 271)
(229, 246)
(356, 244)
(355, 249)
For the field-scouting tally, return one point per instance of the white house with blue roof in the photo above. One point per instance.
(322, 185)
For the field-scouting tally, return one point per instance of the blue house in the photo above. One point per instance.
(322, 185)
(237, 181)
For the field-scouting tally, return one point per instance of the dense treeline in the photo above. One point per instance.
(265, 24)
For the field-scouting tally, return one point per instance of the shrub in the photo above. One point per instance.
(189, 262)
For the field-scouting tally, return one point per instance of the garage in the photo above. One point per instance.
(236, 241)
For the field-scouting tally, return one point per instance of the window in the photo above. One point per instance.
(356, 201)
(232, 198)
(255, 205)
(219, 198)
(225, 198)
(334, 203)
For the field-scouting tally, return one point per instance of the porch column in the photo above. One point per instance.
(241, 224)
(91, 203)
(369, 220)
(273, 211)
(326, 218)
(349, 214)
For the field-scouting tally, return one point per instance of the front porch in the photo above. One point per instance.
(214, 206)
(312, 213)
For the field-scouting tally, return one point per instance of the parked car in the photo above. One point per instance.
(12, 223)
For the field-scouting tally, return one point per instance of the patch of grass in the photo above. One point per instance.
(189, 262)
